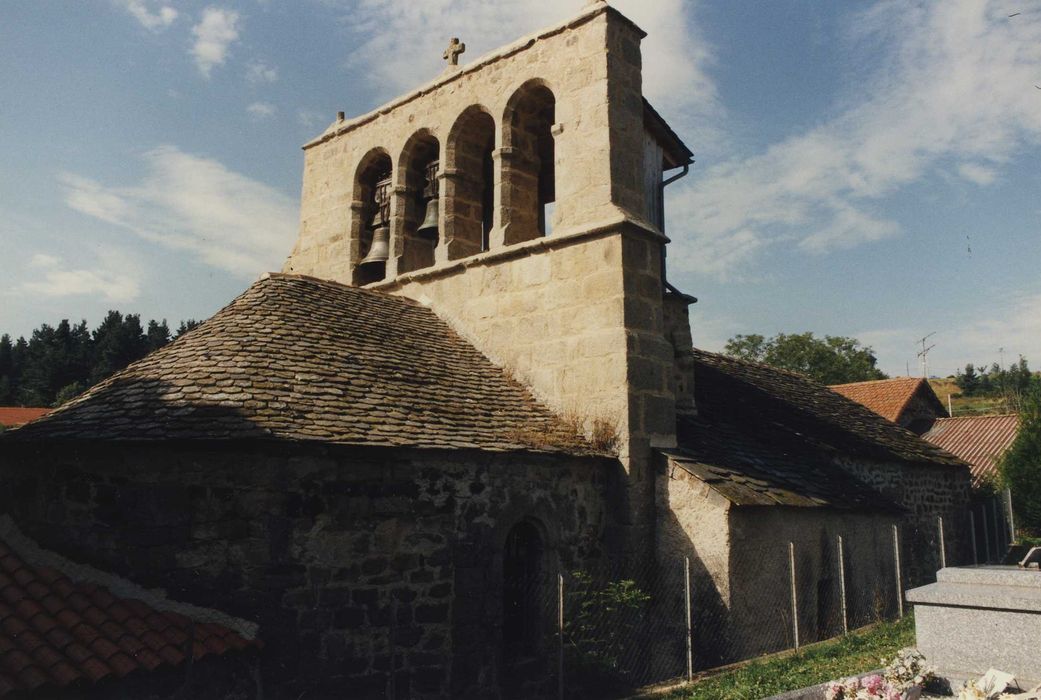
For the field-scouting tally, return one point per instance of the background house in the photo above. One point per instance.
(910, 402)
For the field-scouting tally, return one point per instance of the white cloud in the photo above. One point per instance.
(311, 118)
(261, 110)
(401, 42)
(1012, 322)
(114, 276)
(216, 31)
(258, 72)
(979, 174)
(161, 18)
(194, 204)
(952, 84)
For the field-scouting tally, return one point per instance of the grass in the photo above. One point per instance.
(856, 653)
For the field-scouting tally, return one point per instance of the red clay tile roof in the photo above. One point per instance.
(295, 358)
(10, 416)
(57, 630)
(979, 440)
(889, 397)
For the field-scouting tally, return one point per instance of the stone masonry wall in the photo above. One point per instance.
(579, 320)
(927, 493)
(585, 62)
(759, 618)
(373, 570)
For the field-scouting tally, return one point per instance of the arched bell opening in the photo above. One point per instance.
(523, 591)
(528, 171)
(371, 219)
(420, 199)
(469, 184)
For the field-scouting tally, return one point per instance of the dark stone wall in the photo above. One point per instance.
(926, 492)
(372, 572)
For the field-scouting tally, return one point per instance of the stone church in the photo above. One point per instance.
(471, 372)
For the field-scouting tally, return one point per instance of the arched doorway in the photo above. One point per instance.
(522, 572)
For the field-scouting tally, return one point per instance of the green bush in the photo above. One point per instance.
(1020, 466)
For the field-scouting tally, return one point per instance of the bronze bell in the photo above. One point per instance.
(379, 249)
(428, 229)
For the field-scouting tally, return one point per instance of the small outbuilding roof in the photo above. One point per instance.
(889, 398)
(13, 416)
(979, 440)
(300, 359)
(759, 394)
(764, 436)
(63, 624)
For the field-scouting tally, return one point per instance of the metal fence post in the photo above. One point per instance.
(795, 600)
(1011, 516)
(972, 533)
(842, 588)
(686, 600)
(560, 635)
(997, 529)
(943, 546)
(899, 581)
(986, 534)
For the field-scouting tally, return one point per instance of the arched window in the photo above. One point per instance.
(529, 186)
(370, 225)
(522, 591)
(420, 168)
(469, 194)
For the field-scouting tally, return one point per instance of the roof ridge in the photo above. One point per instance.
(916, 380)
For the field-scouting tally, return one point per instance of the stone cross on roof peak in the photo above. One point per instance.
(451, 54)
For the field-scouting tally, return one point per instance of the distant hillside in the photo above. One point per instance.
(967, 405)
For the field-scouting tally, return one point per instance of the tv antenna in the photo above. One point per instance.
(924, 354)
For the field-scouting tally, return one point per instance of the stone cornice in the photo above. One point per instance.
(622, 225)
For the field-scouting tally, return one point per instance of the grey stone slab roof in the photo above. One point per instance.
(295, 358)
(800, 411)
(765, 437)
(749, 469)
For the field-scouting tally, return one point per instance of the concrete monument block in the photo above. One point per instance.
(977, 618)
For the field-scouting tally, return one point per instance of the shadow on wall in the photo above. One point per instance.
(371, 568)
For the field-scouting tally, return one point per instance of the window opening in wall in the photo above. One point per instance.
(522, 583)
(529, 183)
(374, 265)
(487, 196)
(421, 202)
(469, 203)
(372, 224)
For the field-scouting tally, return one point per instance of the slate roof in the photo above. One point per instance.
(763, 436)
(979, 440)
(890, 397)
(295, 358)
(11, 416)
(806, 410)
(58, 631)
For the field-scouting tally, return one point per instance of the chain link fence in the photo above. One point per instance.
(602, 634)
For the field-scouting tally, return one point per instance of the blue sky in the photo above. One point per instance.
(862, 169)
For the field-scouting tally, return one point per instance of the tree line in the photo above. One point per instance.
(1011, 383)
(58, 362)
(828, 360)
